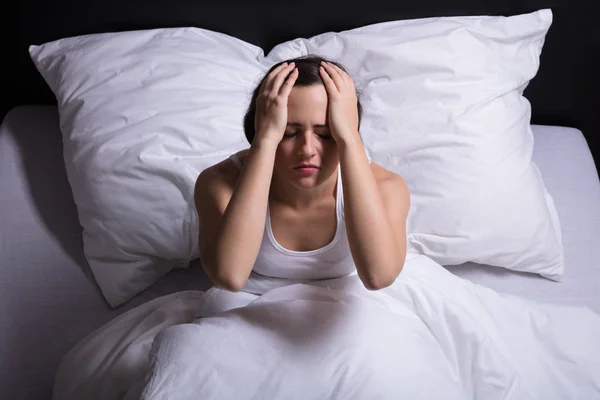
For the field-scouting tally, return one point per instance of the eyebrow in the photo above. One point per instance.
(314, 126)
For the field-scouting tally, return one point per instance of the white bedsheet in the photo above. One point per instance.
(431, 335)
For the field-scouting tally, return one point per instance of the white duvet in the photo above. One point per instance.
(431, 335)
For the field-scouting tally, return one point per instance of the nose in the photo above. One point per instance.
(306, 145)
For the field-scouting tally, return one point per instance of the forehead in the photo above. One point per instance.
(308, 102)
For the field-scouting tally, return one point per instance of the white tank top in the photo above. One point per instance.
(331, 261)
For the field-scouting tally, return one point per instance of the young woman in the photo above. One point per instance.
(304, 201)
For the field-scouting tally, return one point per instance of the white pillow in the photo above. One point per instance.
(142, 113)
(444, 107)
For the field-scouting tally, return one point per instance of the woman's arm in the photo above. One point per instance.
(232, 222)
(376, 212)
(376, 209)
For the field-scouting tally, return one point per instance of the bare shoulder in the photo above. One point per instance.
(391, 185)
(222, 175)
(386, 177)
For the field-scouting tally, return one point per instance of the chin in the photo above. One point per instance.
(312, 181)
(309, 182)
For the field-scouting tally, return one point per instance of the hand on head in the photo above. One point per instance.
(272, 101)
(342, 111)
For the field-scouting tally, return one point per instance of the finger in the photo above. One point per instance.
(286, 88)
(268, 82)
(278, 81)
(335, 75)
(327, 81)
(347, 78)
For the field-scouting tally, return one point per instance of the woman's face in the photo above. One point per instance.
(307, 140)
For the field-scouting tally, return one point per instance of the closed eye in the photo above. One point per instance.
(323, 136)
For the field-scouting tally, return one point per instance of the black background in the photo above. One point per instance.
(564, 92)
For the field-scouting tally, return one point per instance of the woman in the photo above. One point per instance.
(303, 201)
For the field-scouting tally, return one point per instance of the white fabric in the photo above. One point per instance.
(568, 169)
(143, 113)
(42, 240)
(330, 261)
(443, 107)
(430, 335)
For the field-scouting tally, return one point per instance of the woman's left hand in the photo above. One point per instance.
(342, 111)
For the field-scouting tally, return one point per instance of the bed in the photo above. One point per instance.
(50, 300)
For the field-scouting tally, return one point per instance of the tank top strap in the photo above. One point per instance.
(234, 158)
(367, 152)
(339, 203)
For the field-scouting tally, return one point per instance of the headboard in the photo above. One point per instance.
(563, 93)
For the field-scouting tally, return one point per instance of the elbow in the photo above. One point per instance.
(228, 285)
(381, 280)
(224, 281)
(377, 283)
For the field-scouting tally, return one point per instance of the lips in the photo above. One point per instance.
(306, 166)
(306, 169)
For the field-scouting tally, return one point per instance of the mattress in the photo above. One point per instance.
(50, 301)
(567, 167)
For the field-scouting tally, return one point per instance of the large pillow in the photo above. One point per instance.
(444, 107)
(143, 113)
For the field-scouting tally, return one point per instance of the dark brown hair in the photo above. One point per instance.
(308, 74)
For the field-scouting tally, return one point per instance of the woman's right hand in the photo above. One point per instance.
(271, 104)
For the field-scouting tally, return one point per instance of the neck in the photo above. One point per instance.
(284, 192)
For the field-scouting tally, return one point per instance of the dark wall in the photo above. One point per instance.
(10, 54)
(563, 93)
